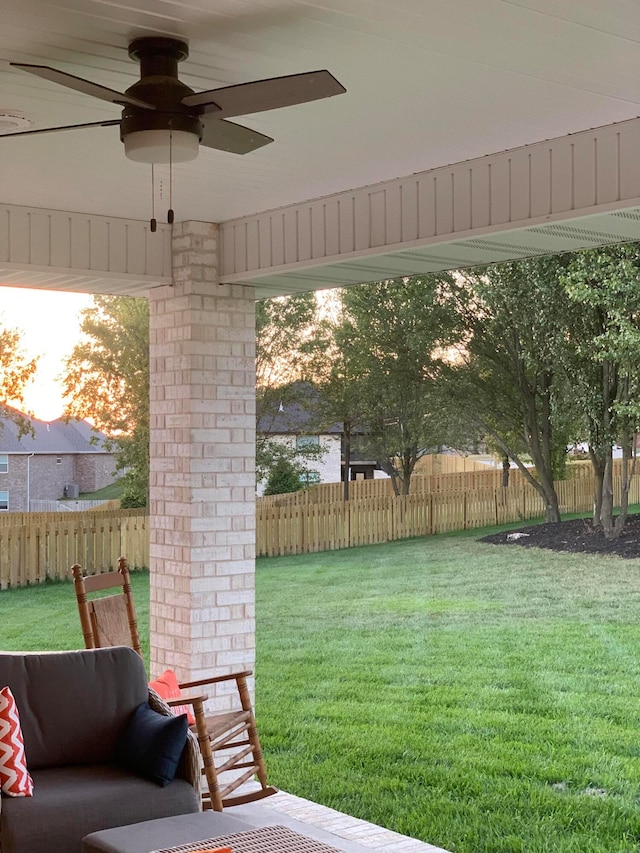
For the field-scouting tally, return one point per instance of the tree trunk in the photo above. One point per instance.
(506, 470)
(598, 486)
(347, 461)
(544, 486)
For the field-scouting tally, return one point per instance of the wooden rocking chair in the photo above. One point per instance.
(232, 737)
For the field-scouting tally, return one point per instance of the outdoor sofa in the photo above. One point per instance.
(76, 710)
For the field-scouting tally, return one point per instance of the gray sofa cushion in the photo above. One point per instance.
(70, 802)
(73, 705)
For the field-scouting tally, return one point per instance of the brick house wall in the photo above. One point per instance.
(49, 473)
(94, 471)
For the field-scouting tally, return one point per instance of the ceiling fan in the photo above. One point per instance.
(165, 121)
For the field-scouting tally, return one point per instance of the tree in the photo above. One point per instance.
(605, 283)
(285, 341)
(337, 378)
(106, 380)
(15, 371)
(394, 337)
(511, 378)
(284, 477)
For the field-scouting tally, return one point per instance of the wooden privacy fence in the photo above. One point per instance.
(312, 527)
(456, 481)
(36, 546)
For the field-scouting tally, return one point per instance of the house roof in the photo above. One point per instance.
(51, 437)
(295, 412)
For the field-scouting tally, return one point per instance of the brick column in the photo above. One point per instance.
(202, 480)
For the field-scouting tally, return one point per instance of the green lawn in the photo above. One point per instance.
(483, 698)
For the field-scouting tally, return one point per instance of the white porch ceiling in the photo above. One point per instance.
(429, 82)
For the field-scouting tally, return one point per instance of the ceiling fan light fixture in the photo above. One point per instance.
(161, 146)
(11, 122)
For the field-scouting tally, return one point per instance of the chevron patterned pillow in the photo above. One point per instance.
(15, 780)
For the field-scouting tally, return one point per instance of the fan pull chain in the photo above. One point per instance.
(154, 223)
(170, 211)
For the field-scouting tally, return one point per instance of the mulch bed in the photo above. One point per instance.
(576, 536)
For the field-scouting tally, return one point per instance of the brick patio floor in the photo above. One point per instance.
(352, 835)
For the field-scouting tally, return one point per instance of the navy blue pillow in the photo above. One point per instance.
(152, 744)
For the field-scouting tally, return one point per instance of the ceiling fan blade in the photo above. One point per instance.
(260, 95)
(229, 136)
(79, 84)
(64, 127)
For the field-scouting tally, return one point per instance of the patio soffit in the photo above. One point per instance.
(569, 193)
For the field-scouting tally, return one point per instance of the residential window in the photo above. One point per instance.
(309, 478)
(58, 460)
(4, 463)
(304, 441)
(4, 501)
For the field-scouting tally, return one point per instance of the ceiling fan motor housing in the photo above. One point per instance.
(159, 85)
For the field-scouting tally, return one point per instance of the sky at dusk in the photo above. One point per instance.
(50, 325)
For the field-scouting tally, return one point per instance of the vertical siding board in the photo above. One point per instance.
(99, 244)
(240, 247)
(80, 242)
(157, 250)
(499, 191)
(318, 236)
(228, 250)
(520, 200)
(562, 176)
(304, 232)
(264, 235)
(136, 247)
(61, 225)
(332, 227)
(630, 162)
(362, 220)
(253, 245)
(540, 181)
(346, 211)
(480, 195)
(39, 238)
(277, 239)
(607, 167)
(584, 172)
(118, 237)
(461, 200)
(393, 213)
(409, 210)
(290, 226)
(444, 202)
(19, 237)
(378, 218)
(4, 235)
(426, 186)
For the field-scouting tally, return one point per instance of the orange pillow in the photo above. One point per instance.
(214, 850)
(15, 780)
(166, 686)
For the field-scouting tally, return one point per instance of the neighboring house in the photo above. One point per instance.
(58, 460)
(293, 423)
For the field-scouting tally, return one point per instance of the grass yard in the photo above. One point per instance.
(482, 698)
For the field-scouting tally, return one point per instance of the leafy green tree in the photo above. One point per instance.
(510, 378)
(106, 380)
(284, 477)
(394, 338)
(605, 284)
(15, 371)
(285, 342)
(338, 380)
